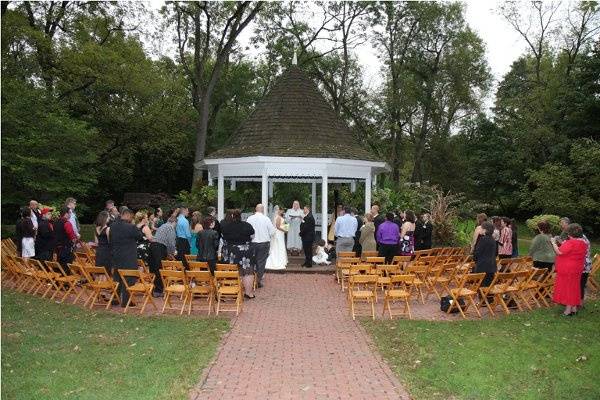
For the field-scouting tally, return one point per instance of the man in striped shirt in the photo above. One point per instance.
(162, 247)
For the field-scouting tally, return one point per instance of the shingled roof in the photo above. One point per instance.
(294, 120)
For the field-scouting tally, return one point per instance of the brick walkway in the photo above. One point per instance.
(296, 340)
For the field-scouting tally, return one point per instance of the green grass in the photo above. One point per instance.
(529, 355)
(59, 351)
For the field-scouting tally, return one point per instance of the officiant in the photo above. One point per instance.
(294, 216)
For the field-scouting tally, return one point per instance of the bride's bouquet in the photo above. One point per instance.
(285, 227)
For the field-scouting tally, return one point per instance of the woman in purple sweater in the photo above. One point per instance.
(388, 236)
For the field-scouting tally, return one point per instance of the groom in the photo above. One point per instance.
(307, 233)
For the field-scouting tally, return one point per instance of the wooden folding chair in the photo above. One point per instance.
(399, 289)
(142, 266)
(421, 271)
(423, 253)
(142, 287)
(174, 283)
(373, 253)
(346, 254)
(227, 267)
(82, 259)
(171, 265)
(190, 257)
(384, 274)
(375, 260)
(502, 285)
(593, 275)
(402, 261)
(545, 288)
(98, 281)
(528, 292)
(64, 282)
(200, 286)
(343, 263)
(442, 276)
(198, 265)
(362, 288)
(45, 277)
(228, 287)
(467, 288)
(31, 278)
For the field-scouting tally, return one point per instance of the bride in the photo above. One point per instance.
(277, 252)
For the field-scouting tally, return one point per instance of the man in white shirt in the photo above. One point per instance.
(345, 229)
(263, 230)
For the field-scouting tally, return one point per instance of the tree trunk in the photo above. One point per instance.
(201, 134)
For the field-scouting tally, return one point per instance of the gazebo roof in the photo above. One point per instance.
(294, 120)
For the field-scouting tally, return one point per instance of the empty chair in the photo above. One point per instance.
(142, 287)
(198, 265)
(362, 289)
(174, 283)
(200, 286)
(466, 290)
(99, 282)
(172, 265)
(399, 289)
(228, 287)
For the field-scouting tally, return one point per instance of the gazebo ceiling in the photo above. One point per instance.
(294, 120)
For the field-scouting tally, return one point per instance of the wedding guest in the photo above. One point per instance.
(184, 234)
(359, 224)
(212, 211)
(71, 203)
(367, 234)
(103, 251)
(158, 219)
(143, 244)
(321, 257)
(481, 218)
(423, 232)
(35, 213)
(345, 229)
(238, 236)
(515, 240)
(108, 205)
(564, 223)
(26, 232)
(541, 250)
(569, 264)
(378, 219)
(307, 233)
(208, 244)
(587, 267)
(113, 215)
(263, 231)
(45, 239)
(505, 241)
(18, 234)
(65, 238)
(406, 246)
(161, 248)
(388, 236)
(196, 226)
(485, 253)
(497, 222)
(124, 237)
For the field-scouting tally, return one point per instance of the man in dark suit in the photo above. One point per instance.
(307, 233)
(378, 219)
(123, 240)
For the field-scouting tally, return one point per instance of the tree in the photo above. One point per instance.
(211, 29)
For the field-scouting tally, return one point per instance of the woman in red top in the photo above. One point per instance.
(570, 257)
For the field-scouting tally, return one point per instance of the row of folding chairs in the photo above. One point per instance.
(95, 286)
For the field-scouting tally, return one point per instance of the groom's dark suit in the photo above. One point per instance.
(307, 233)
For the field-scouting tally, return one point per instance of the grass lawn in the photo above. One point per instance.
(529, 355)
(59, 351)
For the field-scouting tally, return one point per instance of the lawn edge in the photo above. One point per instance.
(195, 391)
(385, 367)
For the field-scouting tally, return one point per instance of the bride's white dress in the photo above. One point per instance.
(278, 258)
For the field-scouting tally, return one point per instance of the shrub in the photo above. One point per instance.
(553, 220)
(444, 216)
(199, 198)
(464, 231)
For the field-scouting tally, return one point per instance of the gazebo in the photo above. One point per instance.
(293, 135)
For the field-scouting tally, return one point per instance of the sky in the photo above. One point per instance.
(503, 44)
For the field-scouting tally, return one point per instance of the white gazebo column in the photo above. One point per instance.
(352, 186)
(209, 177)
(324, 208)
(264, 198)
(313, 197)
(368, 193)
(232, 185)
(220, 196)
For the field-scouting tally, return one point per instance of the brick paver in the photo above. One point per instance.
(296, 340)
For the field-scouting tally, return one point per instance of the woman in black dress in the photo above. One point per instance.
(103, 256)
(123, 238)
(485, 254)
(238, 235)
(207, 243)
(143, 244)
